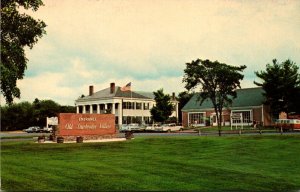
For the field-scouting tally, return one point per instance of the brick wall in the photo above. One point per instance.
(89, 126)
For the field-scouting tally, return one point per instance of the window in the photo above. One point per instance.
(138, 105)
(146, 106)
(128, 105)
(196, 119)
(147, 120)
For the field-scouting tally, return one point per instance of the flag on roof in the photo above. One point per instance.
(126, 87)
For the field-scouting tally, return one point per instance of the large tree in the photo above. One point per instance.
(218, 82)
(281, 83)
(18, 30)
(163, 108)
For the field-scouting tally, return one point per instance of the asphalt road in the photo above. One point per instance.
(6, 136)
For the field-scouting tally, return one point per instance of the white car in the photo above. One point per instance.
(47, 129)
(154, 127)
(33, 129)
(171, 127)
(132, 127)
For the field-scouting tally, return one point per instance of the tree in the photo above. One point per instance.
(281, 83)
(163, 108)
(183, 98)
(17, 31)
(218, 83)
(18, 116)
(44, 109)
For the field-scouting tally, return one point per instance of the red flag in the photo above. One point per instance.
(126, 87)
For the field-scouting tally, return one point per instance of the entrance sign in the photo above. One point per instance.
(72, 124)
(236, 118)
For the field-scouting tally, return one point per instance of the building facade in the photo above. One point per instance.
(248, 108)
(127, 106)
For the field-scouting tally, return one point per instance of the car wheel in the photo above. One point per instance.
(169, 130)
(180, 129)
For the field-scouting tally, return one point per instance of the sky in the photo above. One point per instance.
(149, 42)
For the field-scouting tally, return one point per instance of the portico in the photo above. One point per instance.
(127, 106)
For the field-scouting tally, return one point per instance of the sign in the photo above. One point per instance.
(52, 121)
(236, 116)
(72, 124)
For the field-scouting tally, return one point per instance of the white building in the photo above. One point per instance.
(128, 106)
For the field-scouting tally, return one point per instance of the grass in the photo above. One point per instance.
(246, 163)
(246, 129)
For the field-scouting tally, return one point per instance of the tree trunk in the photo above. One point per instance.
(218, 121)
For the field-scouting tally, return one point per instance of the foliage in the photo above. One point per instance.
(163, 108)
(183, 98)
(218, 82)
(23, 115)
(245, 163)
(18, 30)
(281, 82)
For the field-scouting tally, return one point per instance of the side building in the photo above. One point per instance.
(249, 103)
(127, 106)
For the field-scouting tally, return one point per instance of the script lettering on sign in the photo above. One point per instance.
(86, 124)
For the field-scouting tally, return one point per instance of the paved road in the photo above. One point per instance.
(210, 134)
(21, 134)
(30, 136)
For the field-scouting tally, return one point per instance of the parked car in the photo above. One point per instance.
(33, 129)
(154, 127)
(132, 127)
(171, 127)
(47, 129)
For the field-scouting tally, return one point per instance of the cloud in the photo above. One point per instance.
(149, 42)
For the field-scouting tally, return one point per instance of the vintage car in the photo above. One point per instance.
(171, 127)
(33, 129)
(132, 127)
(288, 124)
(153, 127)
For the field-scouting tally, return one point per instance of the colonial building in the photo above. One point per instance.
(127, 106)
(249, 104)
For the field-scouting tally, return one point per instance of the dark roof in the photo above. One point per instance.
(245, 98)
(129, 94)
(105, 93)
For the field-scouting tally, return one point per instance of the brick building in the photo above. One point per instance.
(249, 103)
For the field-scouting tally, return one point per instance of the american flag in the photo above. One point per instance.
(126, 87)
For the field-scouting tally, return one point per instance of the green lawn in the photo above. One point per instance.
(245, 163)
(246, 129)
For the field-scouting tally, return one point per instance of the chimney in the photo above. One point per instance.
(173, 96)
(112, 88)
(91, 90)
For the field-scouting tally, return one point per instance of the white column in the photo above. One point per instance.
(177, 110)
(105, 106)
(77, 109)
(83, 109)
(98, 108)
(91, 109)
(120, 114)
(142, 109)
(113, 108)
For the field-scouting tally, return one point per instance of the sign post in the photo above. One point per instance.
(235, 119)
